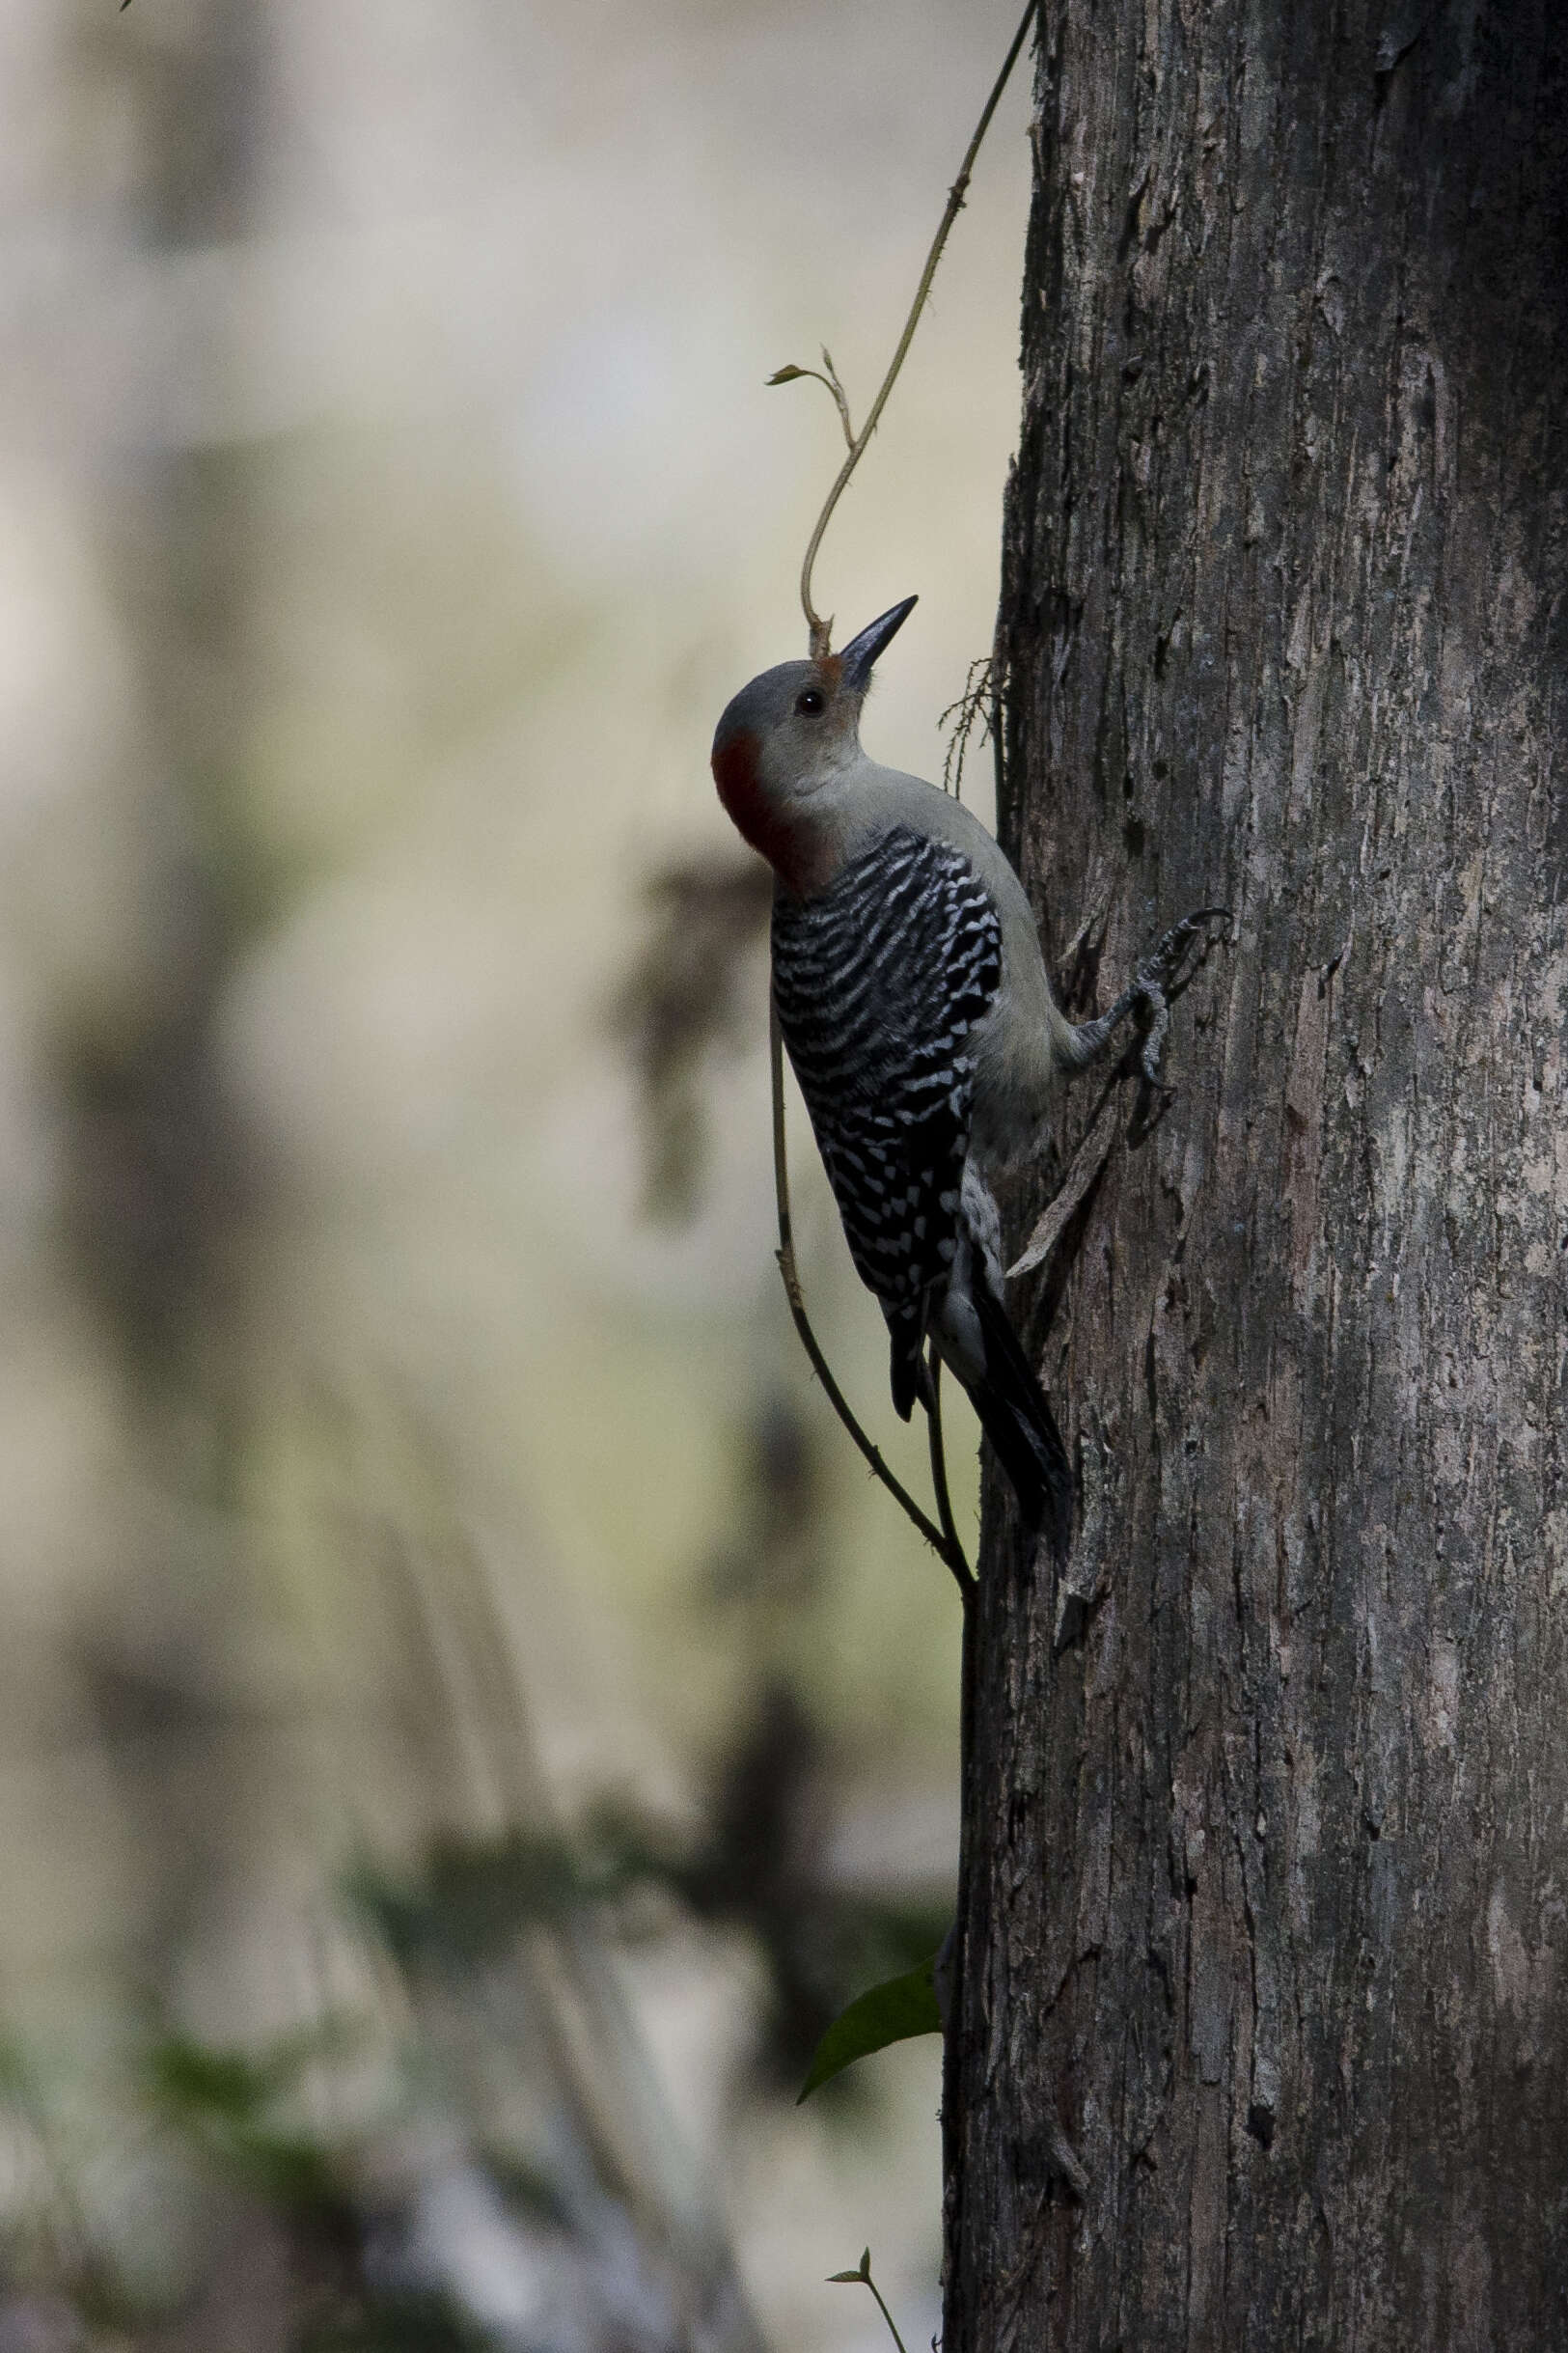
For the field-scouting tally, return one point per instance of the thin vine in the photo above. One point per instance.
(860, 2277)
(942, 1538)
(819, 631)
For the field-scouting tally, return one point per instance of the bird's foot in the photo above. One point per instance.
(1169, 966)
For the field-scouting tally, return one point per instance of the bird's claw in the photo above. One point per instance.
(1160, 979)
(1161, 970)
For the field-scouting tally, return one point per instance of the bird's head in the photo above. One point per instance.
(788, 735)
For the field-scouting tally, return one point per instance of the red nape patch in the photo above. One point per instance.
(787, 844)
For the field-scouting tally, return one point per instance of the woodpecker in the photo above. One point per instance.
(912, 999)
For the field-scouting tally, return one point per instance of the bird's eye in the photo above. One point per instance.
(809, 701)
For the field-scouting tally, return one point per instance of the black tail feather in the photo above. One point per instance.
(1017, 1417)
(910, 1380)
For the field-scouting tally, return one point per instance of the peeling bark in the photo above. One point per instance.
(1266, 1875)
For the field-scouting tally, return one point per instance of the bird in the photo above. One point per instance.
(914, 1003)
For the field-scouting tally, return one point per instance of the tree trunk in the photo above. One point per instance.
(1266, 1866)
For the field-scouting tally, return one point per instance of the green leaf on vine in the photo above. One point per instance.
(891, 2013)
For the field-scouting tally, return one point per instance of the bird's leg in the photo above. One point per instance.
(1159, 981)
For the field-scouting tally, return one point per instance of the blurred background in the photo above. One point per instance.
(466, 1720)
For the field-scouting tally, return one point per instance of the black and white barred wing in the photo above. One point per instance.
(879, 983)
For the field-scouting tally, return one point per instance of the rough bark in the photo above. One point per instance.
(1266, 1872)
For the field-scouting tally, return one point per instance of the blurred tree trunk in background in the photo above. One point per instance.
(159, 1203)
(160, 1191)
(1266, 1871)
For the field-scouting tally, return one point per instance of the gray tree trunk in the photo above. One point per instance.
(1266, 1872)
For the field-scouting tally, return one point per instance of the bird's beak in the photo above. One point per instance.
(861, 652)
